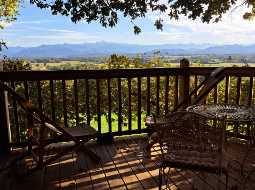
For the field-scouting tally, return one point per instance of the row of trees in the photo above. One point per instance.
(114, 62)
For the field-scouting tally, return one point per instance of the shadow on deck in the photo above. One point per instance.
(123, 166)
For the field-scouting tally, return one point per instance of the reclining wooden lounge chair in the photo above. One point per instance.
(38, 145)
(201, 92)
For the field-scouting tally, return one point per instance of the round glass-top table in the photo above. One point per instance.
(234, 113)
(237, 141)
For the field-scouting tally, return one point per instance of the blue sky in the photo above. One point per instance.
(36, 27)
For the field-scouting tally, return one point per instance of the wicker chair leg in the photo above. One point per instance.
(219, 181)
(148, 150)
(226, 181)
(160, 178)
(168, 175)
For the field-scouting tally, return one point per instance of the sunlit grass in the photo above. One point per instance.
(124, 127)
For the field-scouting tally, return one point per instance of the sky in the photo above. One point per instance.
(36, 27)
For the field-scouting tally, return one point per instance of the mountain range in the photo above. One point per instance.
(106, 49)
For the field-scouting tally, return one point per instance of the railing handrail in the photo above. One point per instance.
(87, 74)
(118, 73)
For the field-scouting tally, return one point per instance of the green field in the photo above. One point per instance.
(76, 65)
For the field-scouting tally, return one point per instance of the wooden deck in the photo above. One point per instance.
(123, 166)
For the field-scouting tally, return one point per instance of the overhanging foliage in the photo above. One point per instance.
(107, 12)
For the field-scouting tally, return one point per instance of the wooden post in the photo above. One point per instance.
(4, 135)
(184, 83)
(4, 123)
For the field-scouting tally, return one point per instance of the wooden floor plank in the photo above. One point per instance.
(176, 176)
(84, 179)
(67, 172)
(111, 172)
(118, 163)
(103, 156)
(179, 179)
(153, 162)
(134, 182)
(52, 176)
(147, 173)
(123, 166)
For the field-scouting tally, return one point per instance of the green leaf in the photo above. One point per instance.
(137, 30)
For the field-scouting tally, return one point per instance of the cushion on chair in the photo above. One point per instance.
(81, 131)
(195, 160)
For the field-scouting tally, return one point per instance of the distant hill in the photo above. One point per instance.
(106, 49)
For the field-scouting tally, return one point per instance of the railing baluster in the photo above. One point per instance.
(109, 104)
(98, 106)
(166, 94)
(16, 118)
(250, 94)
(176, 96)
(5, 137)
(226, 90)
(29, 118)
(87, 101)
(129, 106)
(41, 130)
(52, 102)
(238, 90)
(39, 96)
(26, 90)
(120, 119)
(139, 102)
(76, 102)
(157, 94)
(148, 95)
(64, 102)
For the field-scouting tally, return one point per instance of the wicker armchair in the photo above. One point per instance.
(242, 165)
(197, 96)
(194, 142)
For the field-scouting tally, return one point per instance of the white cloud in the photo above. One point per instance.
(53, 36)
(232, 29)
(34, 21)
(5, 24)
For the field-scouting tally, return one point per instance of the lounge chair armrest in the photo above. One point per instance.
(52, 127)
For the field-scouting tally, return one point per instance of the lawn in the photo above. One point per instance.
(105, 127)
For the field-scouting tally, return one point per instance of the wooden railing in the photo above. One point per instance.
(99, 97)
